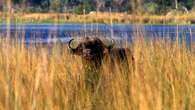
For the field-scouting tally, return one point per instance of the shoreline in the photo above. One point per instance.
(104, 18)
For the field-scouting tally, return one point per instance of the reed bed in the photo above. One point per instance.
(38, 78)
(100, 17)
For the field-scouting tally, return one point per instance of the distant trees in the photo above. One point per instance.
(56, 5)
(77, 6)
(136, 6)
(151, 7)
(100, 4)
(1, 5)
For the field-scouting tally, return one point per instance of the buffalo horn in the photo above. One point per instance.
(69, 44)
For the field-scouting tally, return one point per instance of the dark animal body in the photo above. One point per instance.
(123, 58)
(94, 52)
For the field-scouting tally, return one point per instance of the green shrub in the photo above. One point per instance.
(152, 7)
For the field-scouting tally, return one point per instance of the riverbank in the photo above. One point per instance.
(95, 17)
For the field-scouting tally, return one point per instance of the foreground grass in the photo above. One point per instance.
(38, 78)
(95, 17)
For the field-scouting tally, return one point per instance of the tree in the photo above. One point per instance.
(1, 5)
(117, 4)
(17, 1)
(100, 4)
(55, 5)
(176, 4)
(152, 7)
(136, 6)
(189, 4)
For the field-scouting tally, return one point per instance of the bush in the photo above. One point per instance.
(151, 7)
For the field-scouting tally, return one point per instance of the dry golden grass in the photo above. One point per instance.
(100, 17)
(38, 78)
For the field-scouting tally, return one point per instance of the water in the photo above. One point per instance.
(47, 33)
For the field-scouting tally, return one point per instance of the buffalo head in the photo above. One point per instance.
(90, 48)
(92, 52)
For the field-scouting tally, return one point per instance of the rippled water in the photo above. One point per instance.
(46, 33)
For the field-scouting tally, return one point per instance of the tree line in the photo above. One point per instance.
(78, 6)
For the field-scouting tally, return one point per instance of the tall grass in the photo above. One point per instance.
(100, 17)
(37, 78)
(41, 78)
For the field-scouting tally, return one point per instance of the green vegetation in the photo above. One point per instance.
(77, 6)
(98, 11)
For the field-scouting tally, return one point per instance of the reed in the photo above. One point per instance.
(101, 17)
(41, 78)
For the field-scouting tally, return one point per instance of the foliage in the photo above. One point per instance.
(55, 5)
(132, 6)
(152, 7)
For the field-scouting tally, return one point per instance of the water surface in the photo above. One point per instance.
(46, 33)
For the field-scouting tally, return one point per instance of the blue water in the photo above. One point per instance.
(45, 33)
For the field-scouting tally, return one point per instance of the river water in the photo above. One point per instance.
(46, 33)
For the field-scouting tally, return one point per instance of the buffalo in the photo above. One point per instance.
(93, 51)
